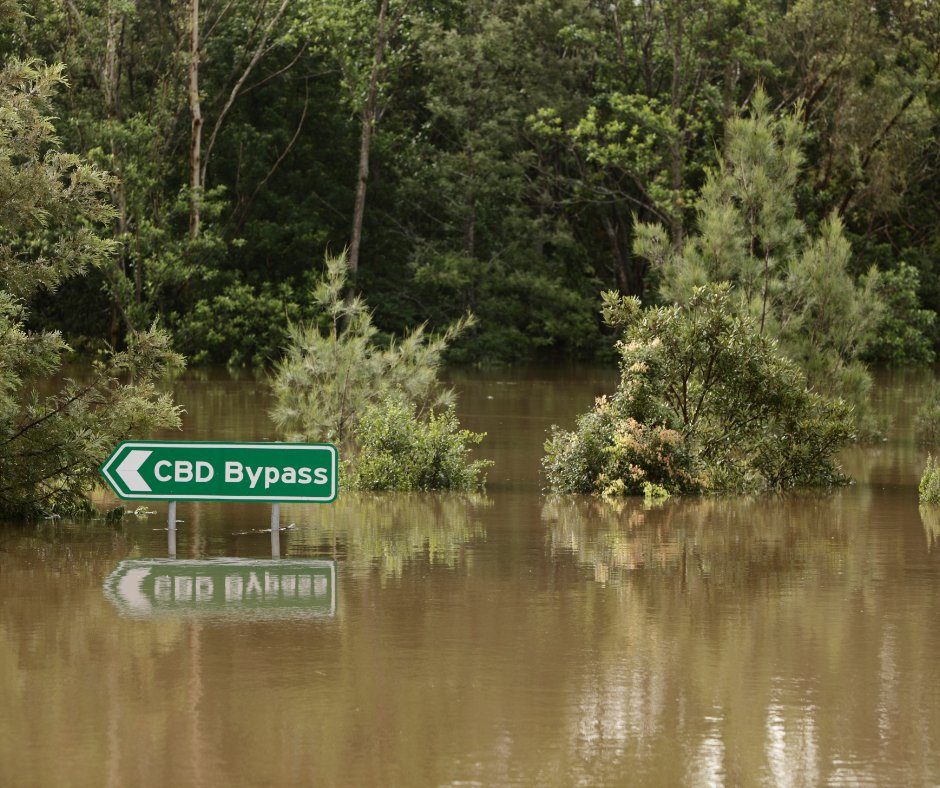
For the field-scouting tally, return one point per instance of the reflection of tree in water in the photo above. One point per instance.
(930, 517)
(387, 530)
(79, 548)
(896, 398)
(786, 627)
(722, 541)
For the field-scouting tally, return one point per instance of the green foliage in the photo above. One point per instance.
(929, 487)
(399, 451)
(705, 403)
(902, 336)
(795, 286)
(240, 326)
(50, 223)
(384, 404)
(52, 199)
(521, 315)
(520, 148)
(612, 452)
(653, 492)
(331, 373)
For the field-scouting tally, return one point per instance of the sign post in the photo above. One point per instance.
(275, 530)
(171, 529)
(221, 471)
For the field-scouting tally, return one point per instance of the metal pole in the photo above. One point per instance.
(171, 529)
(275, 530)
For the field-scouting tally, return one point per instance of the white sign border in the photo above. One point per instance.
(105, 470)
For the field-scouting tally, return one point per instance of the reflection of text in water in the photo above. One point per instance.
(258, 586)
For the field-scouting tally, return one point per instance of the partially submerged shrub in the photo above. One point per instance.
(332, 372)
(929, 487)
(384, 405)
(613, 453)
(54, 216)
(705, 403)
(793, 280)
(398, 451)
(653, 492)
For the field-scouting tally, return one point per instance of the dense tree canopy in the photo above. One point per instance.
(496, 156)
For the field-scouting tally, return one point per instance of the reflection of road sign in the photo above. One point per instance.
(224, 587)
(203, 471)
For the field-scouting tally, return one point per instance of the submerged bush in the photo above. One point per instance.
(398, 451)
(929, 487)
(705, 403)
(335, 368)
(384, 405)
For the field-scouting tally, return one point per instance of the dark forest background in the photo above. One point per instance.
(495, 156)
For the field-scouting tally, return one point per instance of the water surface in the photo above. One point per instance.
(506, 638)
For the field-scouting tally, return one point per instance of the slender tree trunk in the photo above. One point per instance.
(675, 147)
(195, 108)
(729, 104)
(367, 118)
(260, 50)
(629, 271)
(111, 88)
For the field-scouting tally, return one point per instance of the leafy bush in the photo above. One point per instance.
(929, 487)
(612, 453)
(523, 313)
(240, 326)
(902, 337)
(398, 451)
(705, 403)
(653, 492)
(385, 405)
(332, 372)
(53, 216)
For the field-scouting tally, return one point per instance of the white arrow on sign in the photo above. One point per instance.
(127, 471)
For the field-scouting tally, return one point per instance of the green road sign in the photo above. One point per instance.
(224, 587)
(203, 471)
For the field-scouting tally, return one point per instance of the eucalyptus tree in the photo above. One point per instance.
(369, 43)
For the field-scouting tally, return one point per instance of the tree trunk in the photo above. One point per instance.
(367, 118)
(111, 88)
(630, 272)
(729, 104)
(195, 108)
(675, 147)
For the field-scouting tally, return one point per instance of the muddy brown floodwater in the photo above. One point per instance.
(505, 638)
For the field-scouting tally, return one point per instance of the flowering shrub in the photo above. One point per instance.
(705, 403)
